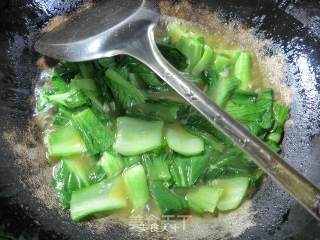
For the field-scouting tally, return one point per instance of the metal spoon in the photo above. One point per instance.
(116, 27)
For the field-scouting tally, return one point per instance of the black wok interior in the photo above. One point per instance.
(295, 28)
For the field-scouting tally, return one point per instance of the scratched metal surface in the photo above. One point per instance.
(294, 26)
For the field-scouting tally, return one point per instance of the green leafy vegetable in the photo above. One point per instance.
(203, 198)
(192, 46)
(56, 86)
(85, 84)
(136, 181)
(204, 62)
(231, 163)
(242, 97)
(71, 99)
(146, 75)
(233, 55)
(127, 94)
(87, 69)
(264, 105)
(106, 63)
(242, 69)
(234, 190)
(186, 171)
(136, 136)
(281, 114)
(156, 166)
(98, 138)
(111, 164)
(174, 56)
(71, 174)
(176, 31)
(105, 196)
(168, 201)
(221, 63)
(221, 89)
(65, 141)
(62, 117)
(168, 112)
(183, 142)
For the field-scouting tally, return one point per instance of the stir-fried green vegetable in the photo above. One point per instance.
(105, 196)
(137, 187)
(204, 198)
(136, 136)
(122, 139)
(65, 141)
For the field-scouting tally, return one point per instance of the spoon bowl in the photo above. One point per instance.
(104, 30)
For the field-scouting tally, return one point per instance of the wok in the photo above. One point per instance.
(273, 214)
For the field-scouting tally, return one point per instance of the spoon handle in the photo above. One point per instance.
(307, 194)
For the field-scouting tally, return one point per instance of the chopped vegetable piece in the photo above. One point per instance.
(136, 81)
(204, 62)
(98, 138)
(65, 141)
(264, 105)
(136, 182)
(87, 69)
(242, 70)
(183, 142)
(127, 94)
(89, 88)
(186, 171)
(274, 146)
(131, 160)
(210, 140)
(71, 99)
(220, 89)
(221, 63)
(86, 84)
(156, 166)
(149, 77)
(275, 137)
(136, 136)
(231, 54)
(189, 44)
(62, 117)
(64, 71)
(168, 201)
(42, 100)
(81, 166)
(58, 85)
(107, 62)
(176, 31)
(103, 86)
(163, 111)
(234, 190)
(174, 56)
(244, 113)
(112, 165)
(244, 96)
(203, 198)
(166, 96)
(105, 196)
(192, 49)
(280, 115)
(230, 163)
(71, 174)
